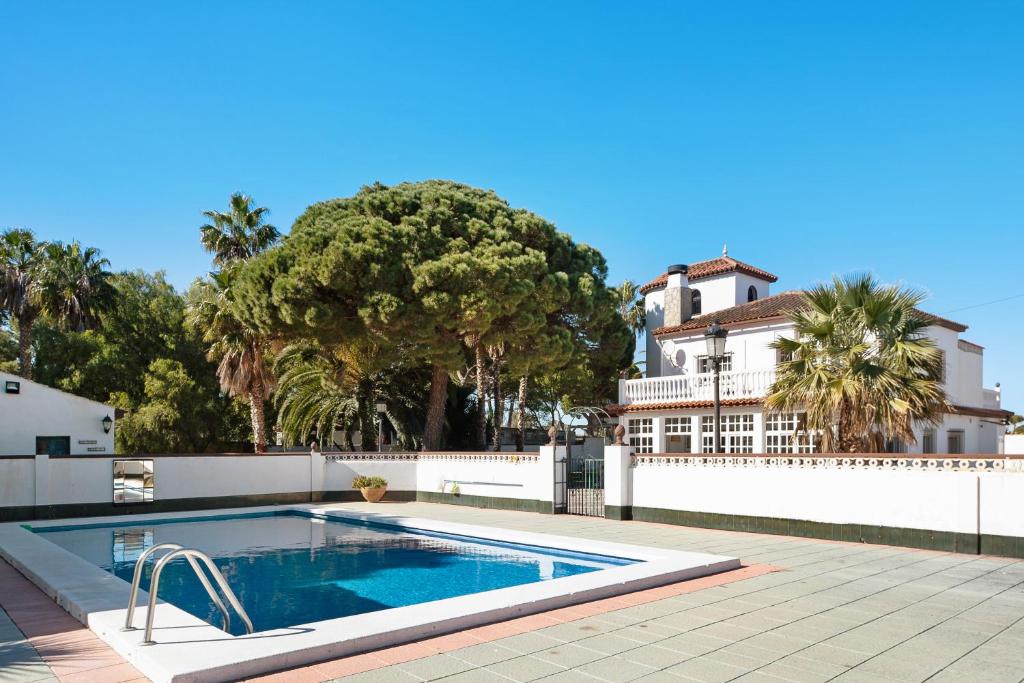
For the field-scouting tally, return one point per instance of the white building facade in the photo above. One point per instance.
(670, 410)
(39, 420)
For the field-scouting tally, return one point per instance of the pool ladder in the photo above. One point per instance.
(174, 552)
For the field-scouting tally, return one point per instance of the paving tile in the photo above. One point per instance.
(570, 655)
(484, 654)
(391, 674)
(616, 669)
(707, 670)
(438, 666)
(524, 668)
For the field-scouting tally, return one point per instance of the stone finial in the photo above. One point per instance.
(314, 448)
(552, 435)
(620, 432)
(725, 250)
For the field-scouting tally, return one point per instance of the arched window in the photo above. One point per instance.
(696, 302)
(751, 293)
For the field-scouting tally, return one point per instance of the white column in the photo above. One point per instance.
(545, 483)
(317, 474)
(759, 437)
(42, 487)
(618, 482)
(658, 442)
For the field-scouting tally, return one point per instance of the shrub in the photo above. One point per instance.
(362, 482)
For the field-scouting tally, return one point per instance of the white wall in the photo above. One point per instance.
(654, 309)
(1013, 444)
(1002, 504)
(525, 478)
(716, 292)
(39, 410)
(400, 474)
(17, 482)
(941, 501)
(749, 346)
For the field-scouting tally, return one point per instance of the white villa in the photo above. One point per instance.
(670, 410)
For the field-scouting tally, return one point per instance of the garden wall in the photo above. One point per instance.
(74, 486)
(957, 503)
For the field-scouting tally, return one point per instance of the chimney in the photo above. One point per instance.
(678, 302)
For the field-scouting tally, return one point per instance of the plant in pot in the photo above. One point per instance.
(372, 488)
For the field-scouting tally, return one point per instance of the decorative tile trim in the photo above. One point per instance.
(971, 463)
(387, 457)
(486, 456)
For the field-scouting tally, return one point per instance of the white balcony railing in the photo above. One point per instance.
(733, 385)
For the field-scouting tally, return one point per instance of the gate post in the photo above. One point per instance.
(551, 486)
(618, 482)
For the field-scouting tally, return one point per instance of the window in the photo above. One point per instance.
(928, 441)
(704, 364)
(787, 433)
(695, 301)
(751, 293)
(53, 445)
(641, 434)
(678, 435)
(783, 356)
(955, 441)
(737, 434)
(894, 446)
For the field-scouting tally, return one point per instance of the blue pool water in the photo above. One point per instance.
(289, 568)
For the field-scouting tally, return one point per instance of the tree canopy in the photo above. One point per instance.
(437, 273)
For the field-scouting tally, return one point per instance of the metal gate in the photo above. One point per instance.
(579, 485)
(586, 487)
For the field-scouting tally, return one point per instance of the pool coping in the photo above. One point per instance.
(189, 649)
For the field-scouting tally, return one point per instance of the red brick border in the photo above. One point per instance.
(76, 655)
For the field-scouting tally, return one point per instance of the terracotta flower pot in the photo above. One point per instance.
(373, 495)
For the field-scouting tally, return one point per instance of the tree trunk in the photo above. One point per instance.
(499, 406)
(481, 398)
(256, 412)
(25, 346)
(521, 417)
(434, 427)
(367, 428)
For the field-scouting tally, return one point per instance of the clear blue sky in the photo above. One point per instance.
(814, 138)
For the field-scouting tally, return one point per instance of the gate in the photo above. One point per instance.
(580, 488)
(586, 487)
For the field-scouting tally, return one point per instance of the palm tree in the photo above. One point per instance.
(19, 258)
(860, 366)
(324, 388)
(66, 283)
(630, 305)
(239, 233)
(74, 286)
(239, 351)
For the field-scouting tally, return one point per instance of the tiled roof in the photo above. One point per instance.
(616, 409)
(715, 266)
(770, 307)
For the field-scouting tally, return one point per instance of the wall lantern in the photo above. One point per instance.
(12, 387)
(107, 424)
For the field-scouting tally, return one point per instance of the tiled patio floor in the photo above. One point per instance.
(835, 611)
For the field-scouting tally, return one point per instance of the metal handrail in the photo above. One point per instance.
(137, 578)
(192, 556)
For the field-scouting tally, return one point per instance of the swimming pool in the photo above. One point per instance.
(368, 568)
(294, 567)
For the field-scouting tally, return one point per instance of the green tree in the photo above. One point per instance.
(860, 365)
(238, 233)
(20, 255)
(239, 351)
(174, 415)
(1015, 424)
(431, 268)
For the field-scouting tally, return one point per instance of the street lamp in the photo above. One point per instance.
(715, 338)
(381, 409)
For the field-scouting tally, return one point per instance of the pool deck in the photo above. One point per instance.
(801, 610)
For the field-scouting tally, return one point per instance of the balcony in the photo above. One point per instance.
(739, 384)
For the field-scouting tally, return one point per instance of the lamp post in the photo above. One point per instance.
(381, 409)
(715, 338)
